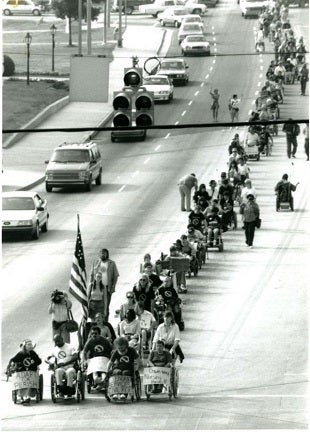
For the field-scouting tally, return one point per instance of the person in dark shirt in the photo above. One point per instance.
(213, 226)
(26, 360)
(196, 218)
(159, 357)
(226, 187)
(144, 292)
(227, 206)
(201, 193)
(154, 279)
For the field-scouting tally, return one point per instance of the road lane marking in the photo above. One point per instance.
(250, 112)
(176, 123)
(197, 93)
(256, 93)
(211, 68)
(207, 76)
(202, 84)
(134, 174)
(261, 60)
(214, 38)
(253, 102)
(213, 61)
(215, 49)
(122, 188)
(261, 67)
(146, 160)
(258, 84)
(190, 102)
(183, 113)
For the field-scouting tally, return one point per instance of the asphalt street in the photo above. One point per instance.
(245, 314)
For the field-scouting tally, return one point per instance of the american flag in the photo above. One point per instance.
(77, 285)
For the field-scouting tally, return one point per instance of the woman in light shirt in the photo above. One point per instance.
(169, 333)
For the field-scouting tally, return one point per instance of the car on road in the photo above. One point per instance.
(20, 7)
(175, 69)
(74, 164)
(172, 16)
(189, 29)
(24, 212)
(252, 8)
(191, 18)
(160, 85)
(194, 45)
(159, 6)
(131, 5)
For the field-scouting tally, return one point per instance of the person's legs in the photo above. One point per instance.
(210, 232)
(59, 374)
(64, 333)
(182, 194)
(246, 231)
(288, 146)
(216, 233)
(71, 375)
(294, 143)
(307, 147)
(188, 198)
(251, 231)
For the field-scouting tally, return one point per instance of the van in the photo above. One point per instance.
(74, 164)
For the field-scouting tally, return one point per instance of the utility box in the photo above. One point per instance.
(89, 78)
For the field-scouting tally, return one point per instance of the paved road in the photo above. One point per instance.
(245, 314)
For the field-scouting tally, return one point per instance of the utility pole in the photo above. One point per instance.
(105, 23)
(89, 27)
(80, 27)
(120, 30)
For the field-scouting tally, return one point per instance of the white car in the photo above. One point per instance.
(195, 44)
(193, 19)
(189, 29)
(252, 7)
(24, 212)
(175, 69)
(160, 85)
(20, 7)
(193, 6)
(172, 16)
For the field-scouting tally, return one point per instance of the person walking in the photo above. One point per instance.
(234, 106)
(59, 307)
(304, 78)
(186, 184)
(97, 294)
(292, 131)
(306, 133)
(109, 275)
(215, 103)
(250, 214)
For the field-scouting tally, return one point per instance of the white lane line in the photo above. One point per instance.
(250, 111)
(258, 84)
(190, 102)
(207, 76)
(202, 84)
(146, 160)
(134, 174)
(214, 43)
(261, 67)
(214, 38)
(261, 60)
(253, 102)
(261, 75)
(122, 188)
(212, 27)
(215, 49)
(176, 123)
(197, 93)
(211, 68)
(183, 113)
(256, 93)
(213, 61)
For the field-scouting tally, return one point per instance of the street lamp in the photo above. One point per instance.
(53, 29)
(28, 39)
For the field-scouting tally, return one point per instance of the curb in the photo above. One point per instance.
(43, 115)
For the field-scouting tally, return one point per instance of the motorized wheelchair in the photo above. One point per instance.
(130, 386)
(174, 305)
(25, 380)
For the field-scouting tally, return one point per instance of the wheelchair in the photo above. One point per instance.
(285, 205)
(173, 305)
(161, 380)
(193, 266)
(123, 384)
(90, 384)
(219, 245)
(25, 380)
(79, 386)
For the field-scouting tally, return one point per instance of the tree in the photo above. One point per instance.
(69, 9)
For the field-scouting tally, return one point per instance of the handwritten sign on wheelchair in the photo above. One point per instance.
(156, 375)
(120, 384)
(145, 322)
(26, 379)
(179, 264)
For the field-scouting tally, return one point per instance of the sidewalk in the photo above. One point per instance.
(23, 163)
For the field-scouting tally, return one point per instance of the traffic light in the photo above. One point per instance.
(144, 104)
(122, 109)
(133, 77)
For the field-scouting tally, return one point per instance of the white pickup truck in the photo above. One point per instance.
(160, 5)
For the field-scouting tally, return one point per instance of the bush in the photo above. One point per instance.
(60, 85)
(8, 66)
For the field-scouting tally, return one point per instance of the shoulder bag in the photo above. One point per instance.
(258, 223)
(71, 325)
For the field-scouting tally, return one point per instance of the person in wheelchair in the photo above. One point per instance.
(213, 227)
(284, 189)
(123, 361)
(65, 366)
(147, 324)
(130, 304)
(171, 300)
(25, 360)
(106, 329)
(160, 357)
(169, 333)
(196, 218)
(130, 328)
(227, 206)
(96, 353)
(195, 236)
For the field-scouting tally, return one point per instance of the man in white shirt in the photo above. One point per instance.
(280, 71)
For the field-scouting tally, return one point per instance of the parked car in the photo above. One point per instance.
(175, 69)
(172, 16)
(24, 212)
(252, 8)
(159, 6)
(189, 29)
(160, 85)
(193, 45)
(74, 164)
(190, 19)
(20, 7)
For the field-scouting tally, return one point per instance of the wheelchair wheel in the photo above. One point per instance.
(37, 396)
(53, 384)
(221, 247)
(147, 393)
(89, 383)
(175, 382)
(41, 386)
(235, 220)
(78, 396)
(82, 386)
(14, 396)
(195, 267)
(137, 385)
